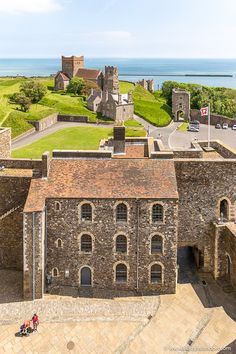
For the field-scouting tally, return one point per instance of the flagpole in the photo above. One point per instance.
(209, 124)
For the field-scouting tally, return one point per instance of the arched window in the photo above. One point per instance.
(156, 274)
(224, 210)
(121, 244)
(59, 243)
(121, 273)
(157, 213)
(121, 212)
(86, 243)
(85, 276)
(156, 244)
(57, 206)
(86, 212)
(55, 272)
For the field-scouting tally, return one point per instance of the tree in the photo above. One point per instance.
(88, 86)
(23, 101)
(34, 90)
(76, 86)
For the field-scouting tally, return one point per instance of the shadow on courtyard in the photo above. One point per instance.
(11, 286)
(229, 348)
(209, 292)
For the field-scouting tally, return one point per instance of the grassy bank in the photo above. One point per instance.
(153, 108)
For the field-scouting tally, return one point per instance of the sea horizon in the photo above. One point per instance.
(134, 69)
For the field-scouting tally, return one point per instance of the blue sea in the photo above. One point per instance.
(130, 69)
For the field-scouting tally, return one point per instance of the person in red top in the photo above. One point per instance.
(35, 321)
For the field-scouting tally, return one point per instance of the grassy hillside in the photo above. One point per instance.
(152, 108)
(125, 86)
(75, 138)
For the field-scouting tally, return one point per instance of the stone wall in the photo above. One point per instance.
(34, 165)
(224, 150)
(201, 186)
(225, 246)
(71, 118)
(11, 240)
(5, 143)
(13, 191)
(33, 253)
(44, 123)
(215, 118)
(65, 224)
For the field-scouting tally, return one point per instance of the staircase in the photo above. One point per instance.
(9, 212)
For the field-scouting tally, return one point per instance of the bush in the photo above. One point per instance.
(34, 90)
(89, 85)
(76, 86)
(23, 101)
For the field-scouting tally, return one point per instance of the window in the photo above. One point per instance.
(59, 243)
(86, 212)
(121, 273)
(121, 244)
(86, 243)
(156, 244)
(121, 212)
(55, 272)
(57, 206)
(157, 213)
(156, 274)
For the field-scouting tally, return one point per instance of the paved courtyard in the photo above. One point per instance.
(198, 318)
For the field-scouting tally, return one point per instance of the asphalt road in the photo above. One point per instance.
(183, 139)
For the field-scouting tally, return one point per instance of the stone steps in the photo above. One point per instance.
(9, 212)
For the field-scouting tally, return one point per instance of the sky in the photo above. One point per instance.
(118, 28)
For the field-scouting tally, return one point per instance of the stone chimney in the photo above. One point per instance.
(119, 140)
(45, 164)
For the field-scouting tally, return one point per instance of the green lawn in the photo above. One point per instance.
(132, 123)
(152, 108)
(183, 127)
(76, 138)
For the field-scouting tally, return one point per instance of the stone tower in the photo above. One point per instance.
(70, 65)
(111, 80)
(181, 104)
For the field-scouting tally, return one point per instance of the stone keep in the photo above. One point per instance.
(70, 65)
(180, 104)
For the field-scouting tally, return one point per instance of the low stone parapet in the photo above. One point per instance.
(44, 123)
(72, 118)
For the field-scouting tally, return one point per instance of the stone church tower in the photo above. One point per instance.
(70, 65)
(111, 80)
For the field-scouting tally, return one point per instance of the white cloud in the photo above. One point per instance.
(28, 6)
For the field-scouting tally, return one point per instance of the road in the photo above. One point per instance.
(183, 139)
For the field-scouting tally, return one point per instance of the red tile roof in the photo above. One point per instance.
(88, 74)
(64, 76)
(99, 178)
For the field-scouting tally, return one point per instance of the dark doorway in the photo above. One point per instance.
(85, 276)
(224, 210)
(187, 268)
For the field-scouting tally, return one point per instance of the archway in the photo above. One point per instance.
(189, 259)
(180, 115)
(224, 210)
(85, 276)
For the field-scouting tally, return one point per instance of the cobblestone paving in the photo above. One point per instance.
(182, 323)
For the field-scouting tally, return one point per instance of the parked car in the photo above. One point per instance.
(234, 127)
(193, 128)
(225, 126)
(218, 126)
(195, 122)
